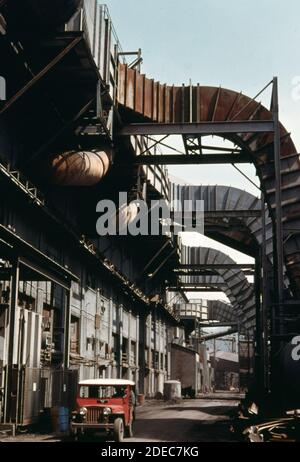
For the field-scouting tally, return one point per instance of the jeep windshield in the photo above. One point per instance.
(101, 392)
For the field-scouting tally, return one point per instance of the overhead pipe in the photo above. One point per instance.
(216, 335)
(80, 168)
(88, 168)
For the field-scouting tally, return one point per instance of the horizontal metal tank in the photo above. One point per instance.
(80, 168)
(287, 372)
(31, 17)
(289, 367)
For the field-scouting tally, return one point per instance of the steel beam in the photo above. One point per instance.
(202, 128)
(206, 273)
(265, 286)
(151, 276)
(62, 130)
(155, 257)
(41, 74)
(212, 290)
(214, 266)
(195, 159)
(193, 288)
(217, 324)
(258, 365)
(218, 214)
(233, 330)
(67, 327)
(180, 272)
(202, 285)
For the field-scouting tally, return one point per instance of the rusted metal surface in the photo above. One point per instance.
(198, 104)
(77, 168)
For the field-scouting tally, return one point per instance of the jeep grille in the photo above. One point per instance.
(94, 415)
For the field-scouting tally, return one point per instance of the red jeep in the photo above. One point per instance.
(104, 405)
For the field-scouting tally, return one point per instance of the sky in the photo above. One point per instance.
(237, 44)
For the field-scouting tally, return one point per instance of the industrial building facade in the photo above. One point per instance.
(70, 306)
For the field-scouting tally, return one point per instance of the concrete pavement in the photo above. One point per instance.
(198, 420)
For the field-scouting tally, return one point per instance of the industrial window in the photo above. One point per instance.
(125, 350)
(2, 332)
(162, 361)
(91, 280)
(90, 343)
(115, 345)
(132, 359)
(74, 335)
(156, 360)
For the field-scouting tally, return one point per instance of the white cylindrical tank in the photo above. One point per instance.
(172, 390)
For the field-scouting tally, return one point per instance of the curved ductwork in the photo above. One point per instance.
(28, 17)
(220, 311)
(223, 198)
(143, 99)
(236, 286)
(80, 168)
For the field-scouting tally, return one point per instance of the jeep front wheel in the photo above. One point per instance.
(119, 430)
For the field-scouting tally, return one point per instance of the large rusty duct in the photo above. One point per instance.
(143, 100)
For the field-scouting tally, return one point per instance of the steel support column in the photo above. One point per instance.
(14, 289)
(277, 314)
(279, 229)
(67, 323)
(258, 329)
(265, 296)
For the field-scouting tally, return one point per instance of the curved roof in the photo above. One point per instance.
(106, 382)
